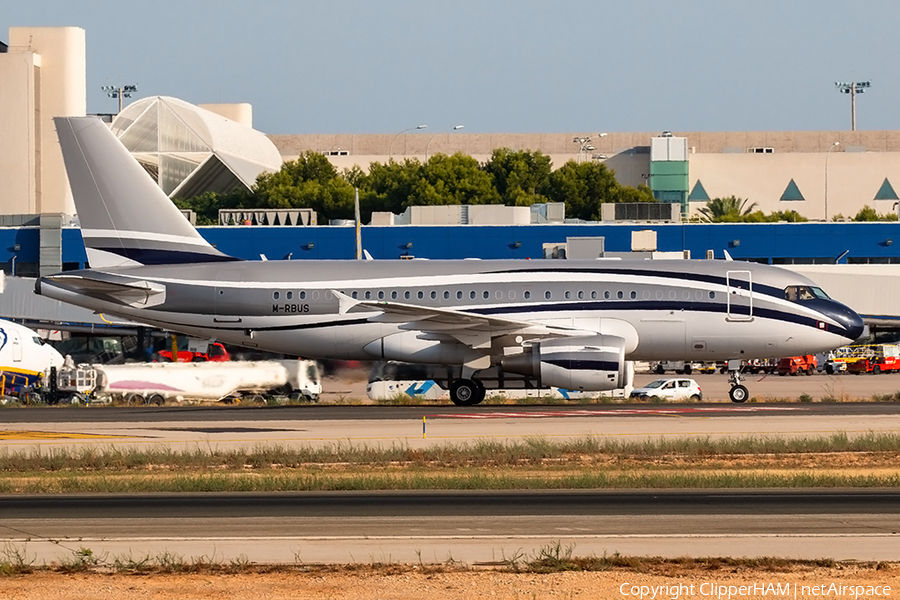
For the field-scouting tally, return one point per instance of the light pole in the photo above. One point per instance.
(853, 88)
(455, 128)
(398, 135)
(827, 154)
(119, 92)
(584, 145)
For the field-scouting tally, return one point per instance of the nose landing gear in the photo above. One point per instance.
(738, 392)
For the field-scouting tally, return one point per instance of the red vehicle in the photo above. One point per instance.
(215, 352)
(797, 364)
(885, 359)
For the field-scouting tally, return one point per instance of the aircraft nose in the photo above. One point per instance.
(846, 316)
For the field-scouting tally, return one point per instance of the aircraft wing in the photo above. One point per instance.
(473, 329)
(135, 293)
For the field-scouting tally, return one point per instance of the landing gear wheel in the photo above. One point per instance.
(466, 392)
(687, 369)
(481, 391)
(738, 394)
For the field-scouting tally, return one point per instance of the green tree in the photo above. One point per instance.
(388, 186)
(456, 179)
(519, 175)
(791, 216)
(207, 205)
(311, 181)
(585, 186)
(866, 213)
(726, 210)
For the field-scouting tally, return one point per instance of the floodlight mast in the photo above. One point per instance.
(852, 88)
(123, 91)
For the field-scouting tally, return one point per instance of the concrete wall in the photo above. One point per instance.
(56, 86)
(19, 132)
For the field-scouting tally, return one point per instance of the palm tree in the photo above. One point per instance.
(731, 208)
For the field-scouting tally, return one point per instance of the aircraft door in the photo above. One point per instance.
(740, 295)
(16, 346)
(227, 298)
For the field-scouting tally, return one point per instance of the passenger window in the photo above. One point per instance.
(290, 295)
(547, 294)
(568, 294)
(433, 294)
(472, 294)
(712, 295)
(394, 295)
(620, 294)
(459, 295)
(276, 295)
(669, 386)
(354, 294)
(593, 294)
(420, 295)
(580, 295)
(606, 295)
(527, 295)
(633, 294)
(303, 295)
(368, 295)
(446, 295)
(380, 295)
(406, 295)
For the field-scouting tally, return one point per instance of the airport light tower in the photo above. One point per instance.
(853, 88)
(584, 146)
(123, 91)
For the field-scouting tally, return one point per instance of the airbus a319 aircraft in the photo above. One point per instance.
(569, 323)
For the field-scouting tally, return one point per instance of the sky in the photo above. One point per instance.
(496, 66)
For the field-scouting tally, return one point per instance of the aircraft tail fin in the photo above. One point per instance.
(125, 217)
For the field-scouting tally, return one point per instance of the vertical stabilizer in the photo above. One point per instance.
(125, 217)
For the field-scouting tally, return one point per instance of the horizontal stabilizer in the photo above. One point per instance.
(137, 294)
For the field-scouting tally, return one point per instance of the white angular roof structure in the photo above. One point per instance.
(189, 150)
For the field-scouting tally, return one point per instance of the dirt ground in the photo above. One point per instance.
(414, 584)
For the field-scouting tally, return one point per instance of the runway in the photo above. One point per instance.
(476, 527)
(224, 428)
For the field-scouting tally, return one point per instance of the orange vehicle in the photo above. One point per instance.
(795, 365)
(215, 352)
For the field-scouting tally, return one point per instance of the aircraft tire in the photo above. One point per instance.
(157, 399)
(687, 369)
(739, 394)
(466, 392)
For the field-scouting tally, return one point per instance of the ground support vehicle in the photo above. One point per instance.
(191, 350)
(676, 388)
(883, 358)
(154, 383)
(683, 367)
(796, 365)
(388, 379)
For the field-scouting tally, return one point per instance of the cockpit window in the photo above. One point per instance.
(799, 293)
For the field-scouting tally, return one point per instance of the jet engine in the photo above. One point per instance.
(594, 363)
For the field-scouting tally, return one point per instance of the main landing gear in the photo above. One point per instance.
(738, 392)
(467, 392)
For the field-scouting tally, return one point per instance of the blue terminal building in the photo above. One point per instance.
(771, 243)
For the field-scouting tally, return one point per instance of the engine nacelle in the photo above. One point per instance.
(595, 363)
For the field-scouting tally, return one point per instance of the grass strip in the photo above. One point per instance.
(550, 558)
(532, 451)
(70, 483)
